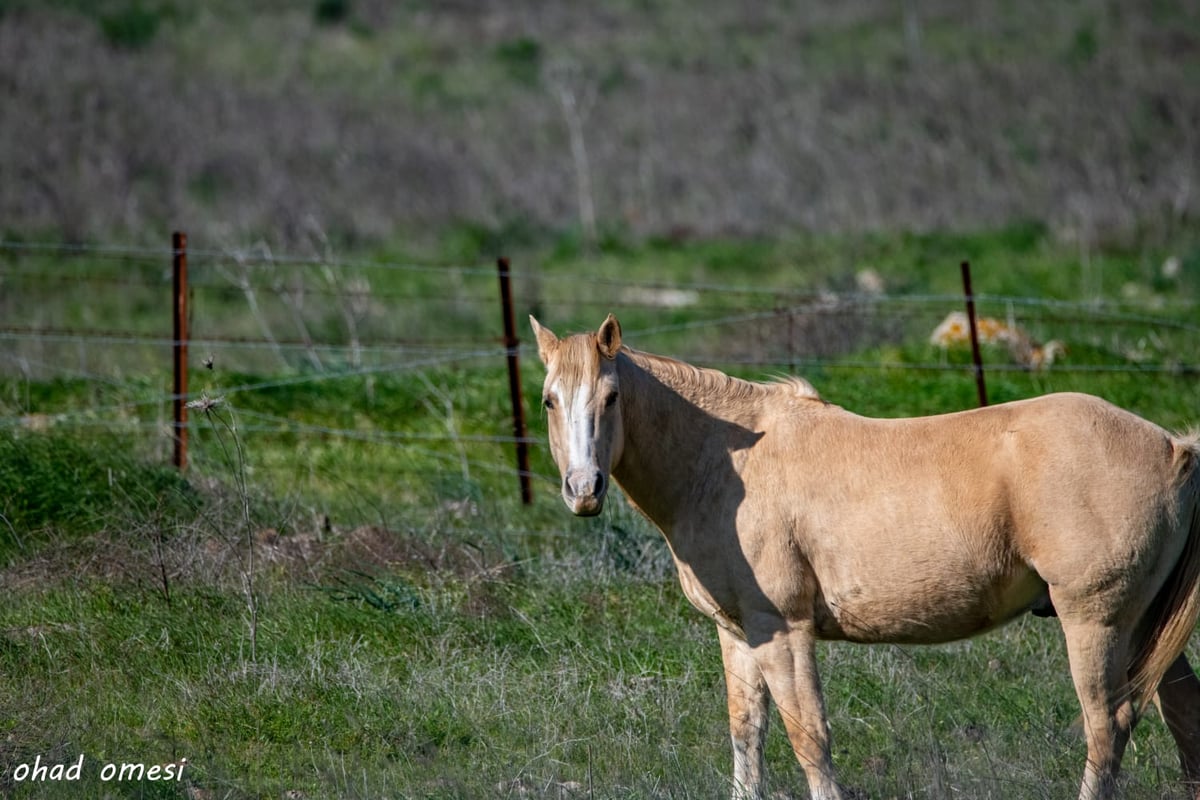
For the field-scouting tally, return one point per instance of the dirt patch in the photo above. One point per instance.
(156, 562)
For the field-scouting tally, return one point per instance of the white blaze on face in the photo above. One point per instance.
(581, 428)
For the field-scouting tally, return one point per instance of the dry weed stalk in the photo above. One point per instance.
(242, 542)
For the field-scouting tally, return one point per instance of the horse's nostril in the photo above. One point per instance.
(598, 484)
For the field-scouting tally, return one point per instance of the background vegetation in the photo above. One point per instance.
(358, 119)
(343, 596)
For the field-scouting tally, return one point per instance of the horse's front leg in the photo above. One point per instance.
(746, 693)
(787, 658)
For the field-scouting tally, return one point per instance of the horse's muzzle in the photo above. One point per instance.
(584, 493)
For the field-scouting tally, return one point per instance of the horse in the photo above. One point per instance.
(791, 520)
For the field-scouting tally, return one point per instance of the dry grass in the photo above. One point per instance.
(660, 119)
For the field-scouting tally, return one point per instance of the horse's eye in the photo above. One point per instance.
(612, 398)
(548, 403)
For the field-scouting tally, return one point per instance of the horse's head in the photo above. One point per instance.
(582, 410)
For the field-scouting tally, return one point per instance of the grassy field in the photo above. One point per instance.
(345, 598)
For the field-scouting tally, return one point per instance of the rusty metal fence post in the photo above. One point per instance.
(512, 345)
(180, 346)
(976, 358)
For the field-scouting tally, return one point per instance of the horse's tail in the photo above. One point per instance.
(1173, 614)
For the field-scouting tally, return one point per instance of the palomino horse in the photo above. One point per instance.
(792, 520)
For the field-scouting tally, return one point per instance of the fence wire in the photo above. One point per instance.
(260, 323)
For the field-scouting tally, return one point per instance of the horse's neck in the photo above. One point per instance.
(672, 432)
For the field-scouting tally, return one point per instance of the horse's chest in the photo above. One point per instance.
(718, 606)
(740, 592)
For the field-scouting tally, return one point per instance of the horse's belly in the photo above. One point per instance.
(925, 612)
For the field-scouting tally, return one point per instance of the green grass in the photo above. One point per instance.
(55, 481)
(345, 597)
(529, 681)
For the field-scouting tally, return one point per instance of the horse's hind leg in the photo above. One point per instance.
(1098, 657)
(746, 693)
(1178, 701)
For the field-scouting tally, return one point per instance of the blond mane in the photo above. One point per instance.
(713, 382)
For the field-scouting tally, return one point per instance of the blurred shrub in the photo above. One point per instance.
(331, 12)
(521, 59)
(131, 26)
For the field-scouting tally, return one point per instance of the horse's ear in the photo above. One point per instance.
(609, 337)
(547, 342)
